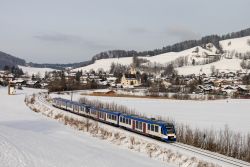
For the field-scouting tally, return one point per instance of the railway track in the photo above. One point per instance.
(228, 160)
(231, 162)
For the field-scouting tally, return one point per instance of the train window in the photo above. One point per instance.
(140, 125)
(136, 124)
(156, 128)
(120, 119)
(129, 120)
(126, 121)
(148, 126)
(152, 128)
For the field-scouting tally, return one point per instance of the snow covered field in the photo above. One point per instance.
(32, 140)
(198, 114)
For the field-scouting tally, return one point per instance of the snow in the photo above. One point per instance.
(171, 56)
(35, 71)
(31, 139)
(105, 64)
(198, 114)
(239, 45)
(224, 65)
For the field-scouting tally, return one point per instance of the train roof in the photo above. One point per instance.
(106, 110)
(73, 102)
(147, 120)
(109, 111)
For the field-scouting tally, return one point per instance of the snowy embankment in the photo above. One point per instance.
(30, 139)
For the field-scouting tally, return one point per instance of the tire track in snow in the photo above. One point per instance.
(10, 155)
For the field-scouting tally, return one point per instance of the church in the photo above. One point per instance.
(130, 79)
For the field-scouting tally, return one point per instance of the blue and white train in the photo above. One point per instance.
(149, 127)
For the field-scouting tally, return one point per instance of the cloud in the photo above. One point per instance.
(137, 30)
(182, 33)
(72, 39)
(57, 37)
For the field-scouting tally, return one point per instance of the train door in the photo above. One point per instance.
(144, 127)
(98, 114)
(133, 124)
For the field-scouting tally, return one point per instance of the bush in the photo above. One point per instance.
(224, 142)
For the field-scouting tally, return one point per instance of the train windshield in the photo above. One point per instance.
(170, 128)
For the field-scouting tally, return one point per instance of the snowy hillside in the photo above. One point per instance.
(198, 53)
(105, 64)
(224, 65)
(36, 71)
(196, 58)
(240, 45)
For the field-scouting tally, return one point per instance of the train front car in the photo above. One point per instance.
(168, 132)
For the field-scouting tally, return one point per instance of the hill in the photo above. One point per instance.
(198, 59)
(9, 60)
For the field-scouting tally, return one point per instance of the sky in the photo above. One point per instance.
(66, 31)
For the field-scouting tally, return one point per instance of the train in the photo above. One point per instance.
(162, 130)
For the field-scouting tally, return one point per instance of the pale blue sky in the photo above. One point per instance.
(64, 31)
